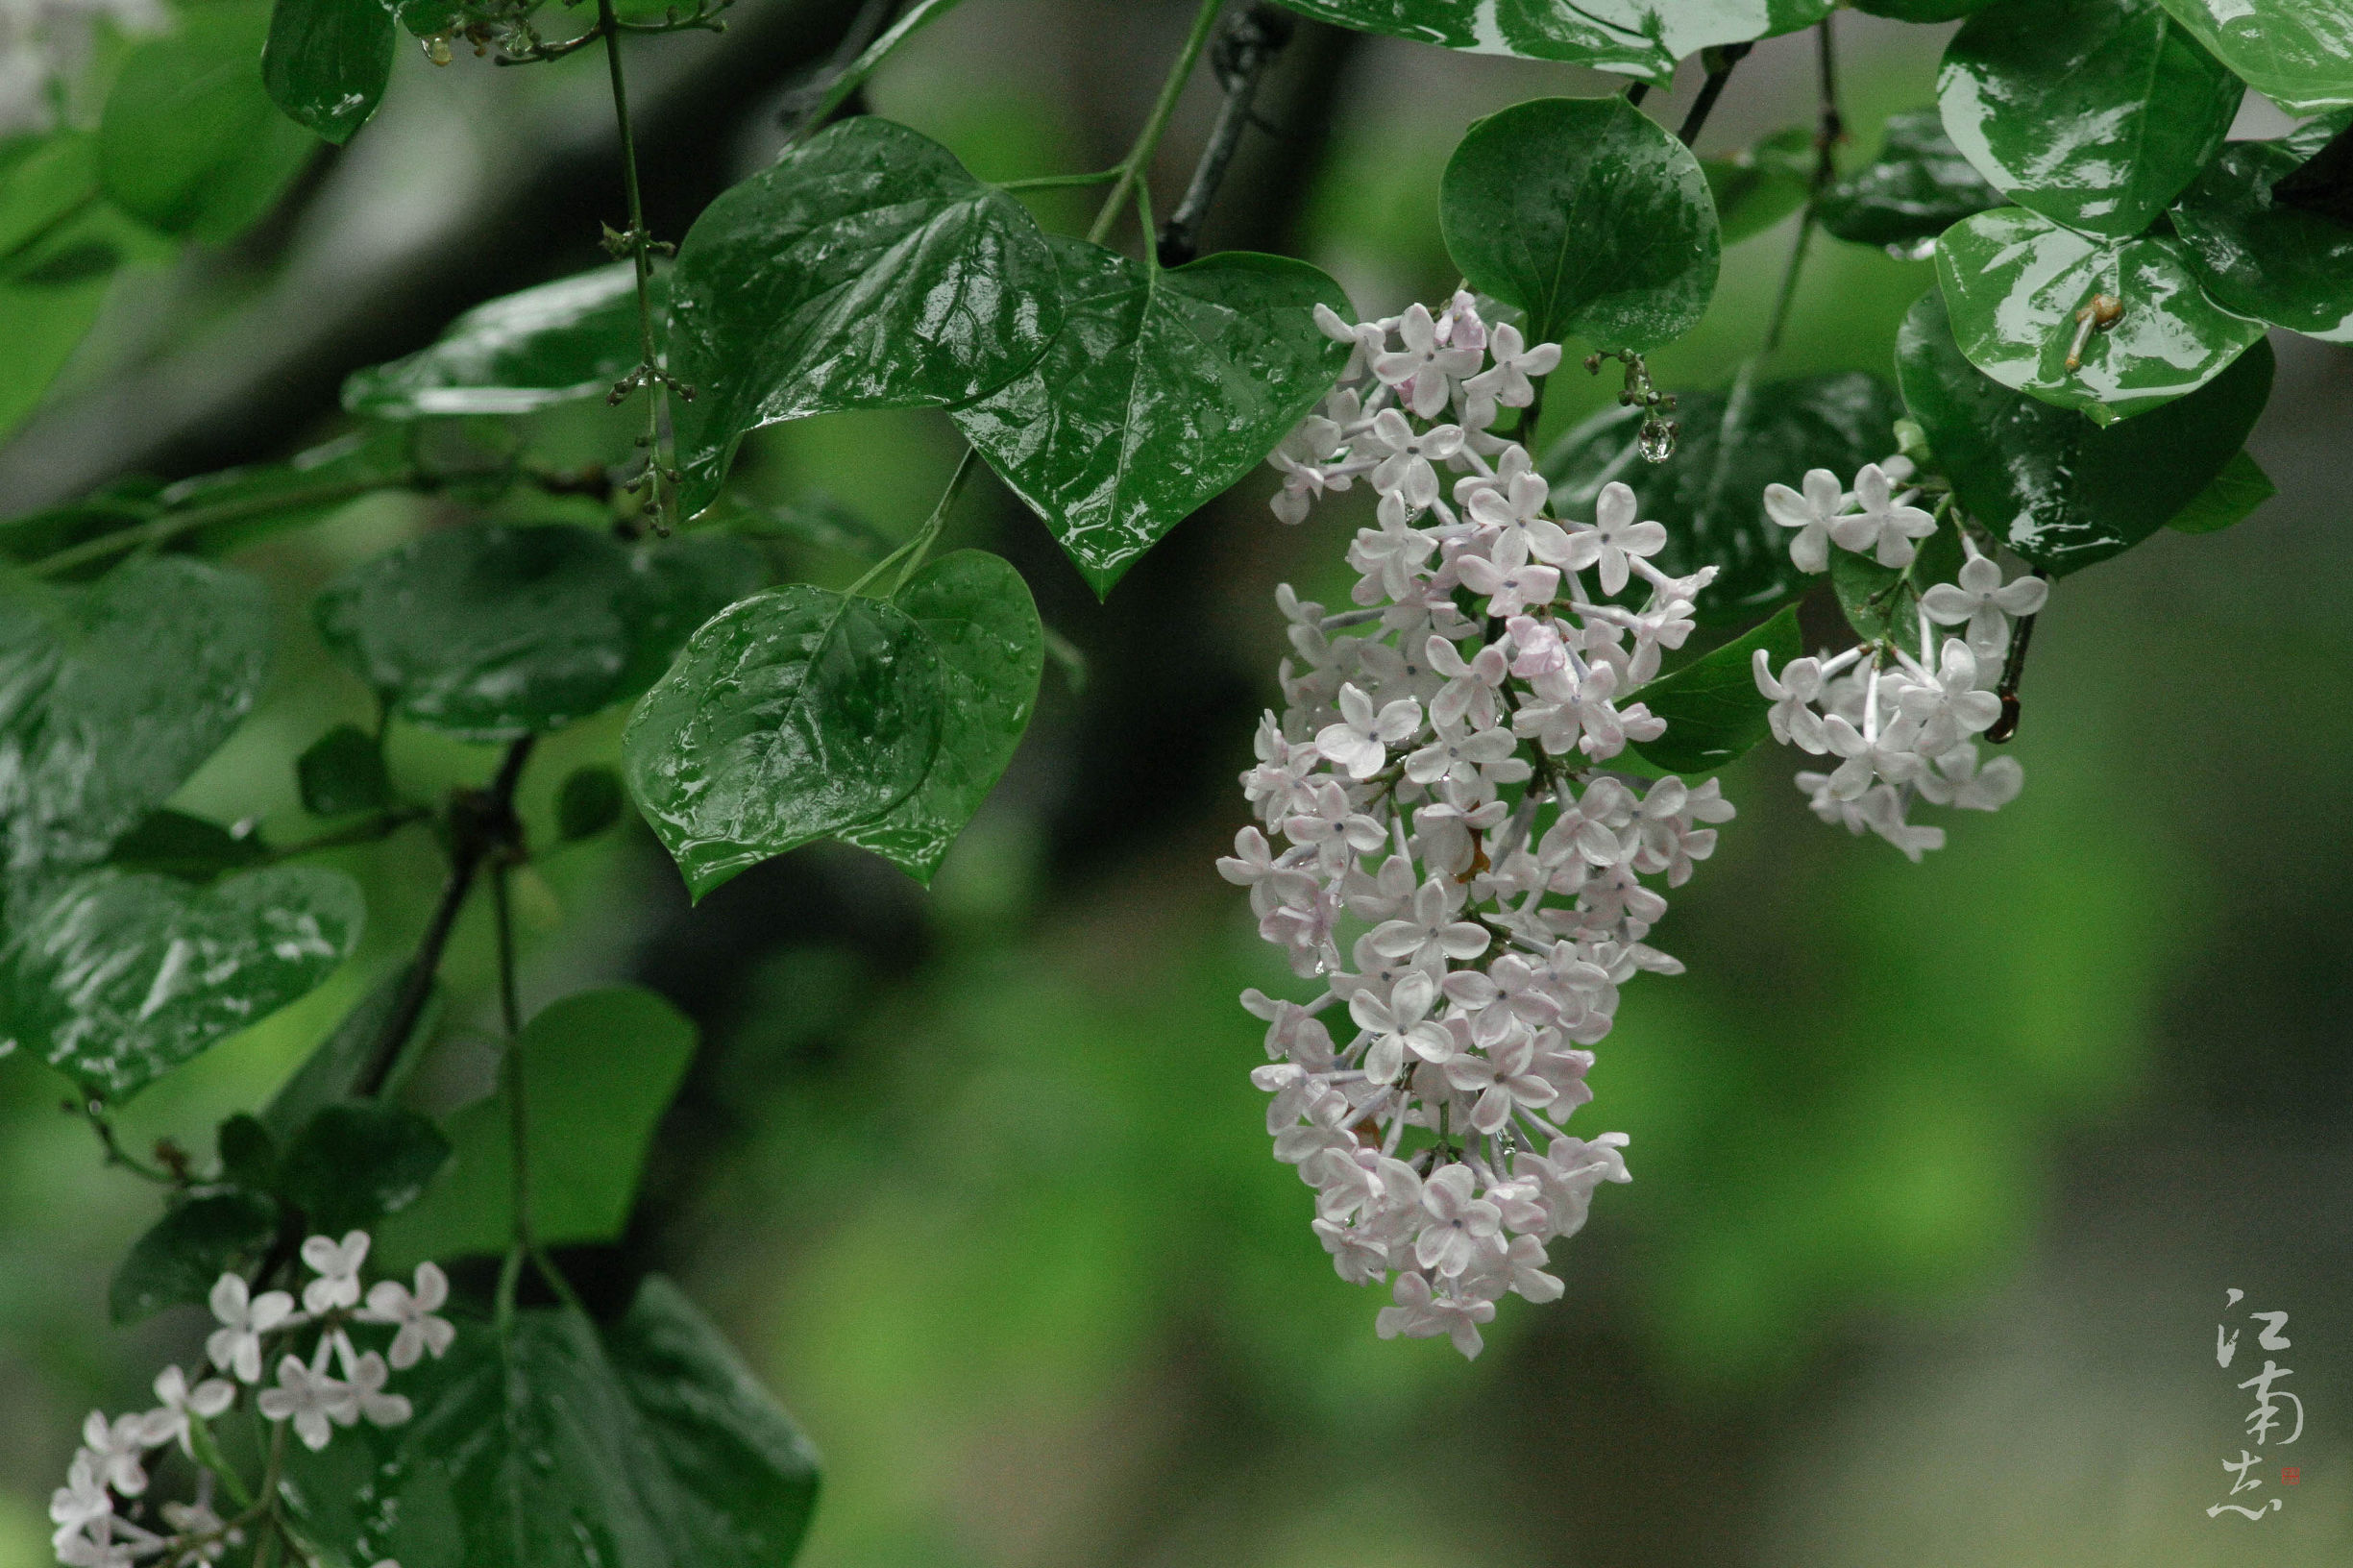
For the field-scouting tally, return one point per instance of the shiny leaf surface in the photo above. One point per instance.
(112, 695)
(1164, 386)
(1919, 186)
(327, 62)
(2091, 112)
(2262, 258)
(116, 978)
(2296, 53)
(2059, 491)
(190, 141)
(491, 631)
(177, 1261)
(864, 269)
(789, 716)
(1710, 494)
(1588, 216)
(1713, 707)
(2015, 282)
(557, 343)
(600, 1067)
(645, 1444)
(2236, 492)
(978, 614)
(1641, 39)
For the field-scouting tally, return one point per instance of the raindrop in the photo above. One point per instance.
(1657, 439)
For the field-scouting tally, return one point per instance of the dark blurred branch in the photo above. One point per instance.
(204, 409)
(1720, 62)
(1240, 58)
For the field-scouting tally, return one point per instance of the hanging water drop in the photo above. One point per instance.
(1657, 439)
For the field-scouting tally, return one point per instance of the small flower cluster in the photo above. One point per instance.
(44, 44)
(1901, 727)
(1458, 862)
(338, 1385)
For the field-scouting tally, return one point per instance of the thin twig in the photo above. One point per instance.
(1241, 59)
(1720, 62)
(1147, 141)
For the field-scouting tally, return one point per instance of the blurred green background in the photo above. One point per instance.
(1941, 1173)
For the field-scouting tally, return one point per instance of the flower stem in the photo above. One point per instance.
(1147, 141)
(641, 251)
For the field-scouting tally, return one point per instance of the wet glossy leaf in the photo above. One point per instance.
(2237, 491)
(1587, 215)
(1881, 601)
(2296, 53)
(1713, 707)
(599, 1068)
(978, 614)
(333, 1070)
(591, 800)
(1758, 186)
(352, 1164)
(1710, 494)
(1164, 386)
(493, 632)
(1919, 186)
(1641, 39)
(112, 695)
(2015, 282)
(646, 1444)
(557, 343)
(190, 141)
(327, 62)
(118, 977)
(342, 772)
(195, 1242)
(174, 844)
(790, 715)
(2263, 257)
(2061, 492)
(2092, 112)
(864, 269)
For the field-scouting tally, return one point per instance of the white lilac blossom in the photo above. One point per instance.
(339, 1384)
(1901, 717)
(1444, 844)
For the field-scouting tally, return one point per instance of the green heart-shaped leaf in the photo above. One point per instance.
(864, 269)
(599, 1068)
(789, 716)
(557, 343)
(2237, 491)
(112, 695)
(978, 614)
(644, 1444)
(2060, 491)
(2262, 258)
(1713, 707)
(2016, 283)
(2091, 112)
(2296, 53)
(491, 632)
(1919, 186)
(190, 141)
(1587, 215)
(117, 978)
(327, 62)
(1165, 386)
(1710, 493)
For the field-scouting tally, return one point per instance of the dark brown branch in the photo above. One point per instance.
(1240, 58)
(1720, 62)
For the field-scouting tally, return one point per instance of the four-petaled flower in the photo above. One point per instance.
(337, 1265)
(1985, 602)
(235, 1346)
(312, 1400)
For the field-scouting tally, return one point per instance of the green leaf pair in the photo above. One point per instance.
(645, 1443)
(802, 713)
